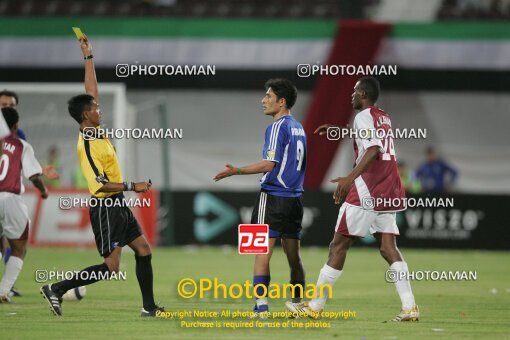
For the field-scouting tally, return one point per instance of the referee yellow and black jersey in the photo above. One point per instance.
(99, 163)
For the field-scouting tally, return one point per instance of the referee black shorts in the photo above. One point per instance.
(113, 223)
(282, 214)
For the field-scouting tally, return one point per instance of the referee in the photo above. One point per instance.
(113, 224)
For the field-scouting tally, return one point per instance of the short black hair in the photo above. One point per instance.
(8, 93)
(79, 104)
(11, 116)
(283, 88)
(430, 149)
(371, 86)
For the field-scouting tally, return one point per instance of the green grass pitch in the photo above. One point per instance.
(449, 310)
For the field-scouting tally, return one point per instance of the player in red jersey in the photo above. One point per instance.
(11, 99)
(17, 159)
(373, 194)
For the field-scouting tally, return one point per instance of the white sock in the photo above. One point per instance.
(262, 301)
(12, 269)
(403, 286)
(328, 275)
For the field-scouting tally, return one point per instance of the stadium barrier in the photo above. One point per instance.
(469, 222)
(453, 221)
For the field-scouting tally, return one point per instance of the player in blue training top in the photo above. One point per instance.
(279, 203)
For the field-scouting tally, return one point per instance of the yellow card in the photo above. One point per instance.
(78, 32)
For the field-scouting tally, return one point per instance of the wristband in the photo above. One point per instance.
(129, 186)
(238, 171)
(88, 57)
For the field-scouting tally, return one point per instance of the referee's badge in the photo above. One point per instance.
(271, 153)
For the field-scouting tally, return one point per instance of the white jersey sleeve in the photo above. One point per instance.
(364, 121)
(28, 161)
(4, 129)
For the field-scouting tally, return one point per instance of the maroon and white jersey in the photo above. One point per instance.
(4, 129)
(379, 188)
(17, 158)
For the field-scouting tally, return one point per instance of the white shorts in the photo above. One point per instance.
(355, 221)
(14, 216)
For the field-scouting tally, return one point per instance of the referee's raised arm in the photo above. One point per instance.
(90, 72)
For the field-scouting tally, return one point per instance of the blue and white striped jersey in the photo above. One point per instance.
(285, 144)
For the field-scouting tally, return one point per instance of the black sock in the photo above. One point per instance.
(144, 276)
(297, 290)
(78, 280)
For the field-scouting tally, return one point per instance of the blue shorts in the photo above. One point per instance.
(279, 234)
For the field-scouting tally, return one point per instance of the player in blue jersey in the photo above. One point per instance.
(279, 203)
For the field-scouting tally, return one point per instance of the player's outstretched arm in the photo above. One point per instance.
(116, 187)
(50, 172)
(256, 168)
(321, 130)
(344, 183)
(38, 183)
(90, 72)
